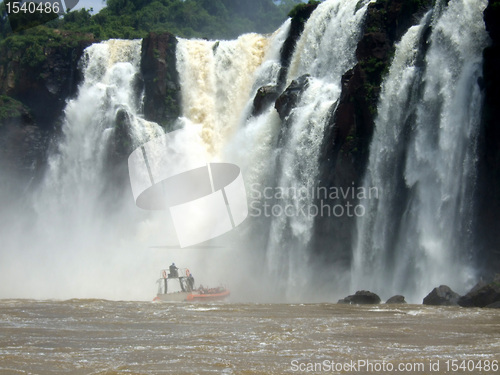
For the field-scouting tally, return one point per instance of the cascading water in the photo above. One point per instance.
(216, 77)
(216, 85)
(325, 50)
(215, 92)
(255, 137)
(422, 160)
(219, 80)
(76, 170)
(79, 240)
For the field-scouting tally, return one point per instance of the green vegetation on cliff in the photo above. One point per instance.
(298, 10)
(213, 19)
(10, 108)
(29, 48)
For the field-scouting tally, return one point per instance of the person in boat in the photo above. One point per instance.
(173, 271)
(190, 281)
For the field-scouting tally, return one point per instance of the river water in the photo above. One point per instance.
(119, 337)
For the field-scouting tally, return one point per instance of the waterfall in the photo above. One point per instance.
(76, 169)
(85, 232)
(254, 137)
(219, 81)
(216, 77)
(80, 238)
(325, 50)
(220, 78)
(422, 159)
(76, 178)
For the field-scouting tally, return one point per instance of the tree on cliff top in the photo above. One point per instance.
(213, 19)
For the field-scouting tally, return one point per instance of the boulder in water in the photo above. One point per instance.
(361, 297)
(495, 305)
(442, 296)
(396, 299)
(482, 295)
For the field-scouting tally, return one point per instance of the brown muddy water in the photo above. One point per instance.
(109, 337)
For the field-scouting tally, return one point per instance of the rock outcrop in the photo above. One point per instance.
(442, 296)
(290, 97)
(395, 300)
(299, 15)
(495, 305)
(44, 80)
(161, 80)
(482, 295)
(361, 297)
(266, 95)
(488, 191)
(35, 82)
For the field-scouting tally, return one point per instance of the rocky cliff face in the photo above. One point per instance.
(285, 99)
(35, 82)
(348, 135)
(44, 78)
(488, 192)
(161, 80)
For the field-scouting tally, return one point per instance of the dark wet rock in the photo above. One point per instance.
(491, 18)
(43, 84)
(299, 15)
(121, 143)
(488, 193)
(161, 80)
(441, 296)
(396, 299)
(361, 297)
(495, 305)
(290, 97)
(265, 96)
(483, 294)
(23, 147)
(33, 92)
